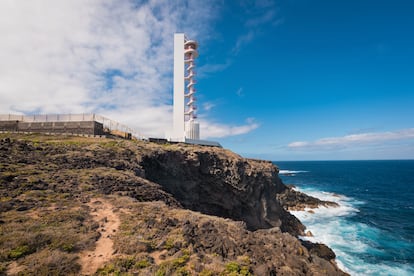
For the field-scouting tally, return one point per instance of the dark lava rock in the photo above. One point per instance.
(320, 250)
(212, 181)
(219, 182)
(294, 200)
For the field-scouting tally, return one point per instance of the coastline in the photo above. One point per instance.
(370, 230)
(175, 208)
(324, 212)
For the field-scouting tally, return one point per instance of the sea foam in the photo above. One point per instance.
(354, 243)
(287, 172)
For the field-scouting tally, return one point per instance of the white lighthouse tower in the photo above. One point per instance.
(185, 126)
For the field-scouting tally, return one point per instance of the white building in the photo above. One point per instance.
(185, 125)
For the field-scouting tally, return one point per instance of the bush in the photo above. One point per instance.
(175, 265)
(232, 267)
(206, 272)
(67, 247)
(3, 269)
(235, 269)
(181, 261)
(142, 264)
(19, 251)
(108, 269)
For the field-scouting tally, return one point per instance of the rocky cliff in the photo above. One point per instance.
(181, 209)
(218, 182)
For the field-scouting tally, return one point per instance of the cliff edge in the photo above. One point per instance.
(154, 209)
(219, 182)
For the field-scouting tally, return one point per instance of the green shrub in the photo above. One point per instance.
(169, 243)
(162, 271)
(232, 267)
(206, 272)
(235, 269)
(3, 268)
(108, 269)
(19, 251)
(124, 264)
(67, 247)
(176, 265)
(142, 264)
(181, 261)
(182, 272)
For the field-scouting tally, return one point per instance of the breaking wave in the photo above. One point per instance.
(357, 245)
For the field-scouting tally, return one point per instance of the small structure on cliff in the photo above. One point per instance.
(75, 124)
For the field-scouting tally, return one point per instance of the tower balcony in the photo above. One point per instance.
(190, 93)
(190, 76)
(189, 60)
(192, 52)
(190, 44)
(190, 112)
(191, 103)
(191, 84)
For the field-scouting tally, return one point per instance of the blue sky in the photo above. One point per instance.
(316, 70)
(281, 80)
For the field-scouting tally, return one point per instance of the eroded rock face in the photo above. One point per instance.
(320, 250)
(209, 180)
(293, 200)
(213, 242)
(73, 169)
(221, 183)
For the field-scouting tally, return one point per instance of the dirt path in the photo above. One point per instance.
(14, 268)
(108, 225)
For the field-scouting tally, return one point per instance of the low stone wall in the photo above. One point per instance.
(81, 127)
(9, 125)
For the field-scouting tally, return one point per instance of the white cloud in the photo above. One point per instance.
(208, 106)
(267, 16)
(243, 40)
(58, 57)
(217, 130)
(206, 70)
(354, 139)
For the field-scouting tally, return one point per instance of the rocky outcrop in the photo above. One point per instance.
(320, 250)
(41, 175)
(213, 181)
(219, 182)
(293, 200)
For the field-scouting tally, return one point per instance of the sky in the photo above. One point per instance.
(279, 80)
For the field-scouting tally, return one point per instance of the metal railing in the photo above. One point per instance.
(106, 122)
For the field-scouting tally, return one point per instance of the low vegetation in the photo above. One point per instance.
(47, 222)
(46, 183)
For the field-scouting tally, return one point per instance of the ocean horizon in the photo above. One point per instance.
(372, 230)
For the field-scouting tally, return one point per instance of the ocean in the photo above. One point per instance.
(372, 232)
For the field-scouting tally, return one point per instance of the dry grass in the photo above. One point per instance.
(46, 183)
(46, 221)
(150, 239)
(46, 237)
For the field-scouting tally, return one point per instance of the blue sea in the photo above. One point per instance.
(372, 232)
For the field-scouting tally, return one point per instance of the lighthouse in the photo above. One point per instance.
(185, 125)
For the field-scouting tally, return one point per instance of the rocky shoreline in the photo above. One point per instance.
(293, 200)
(182, 209)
